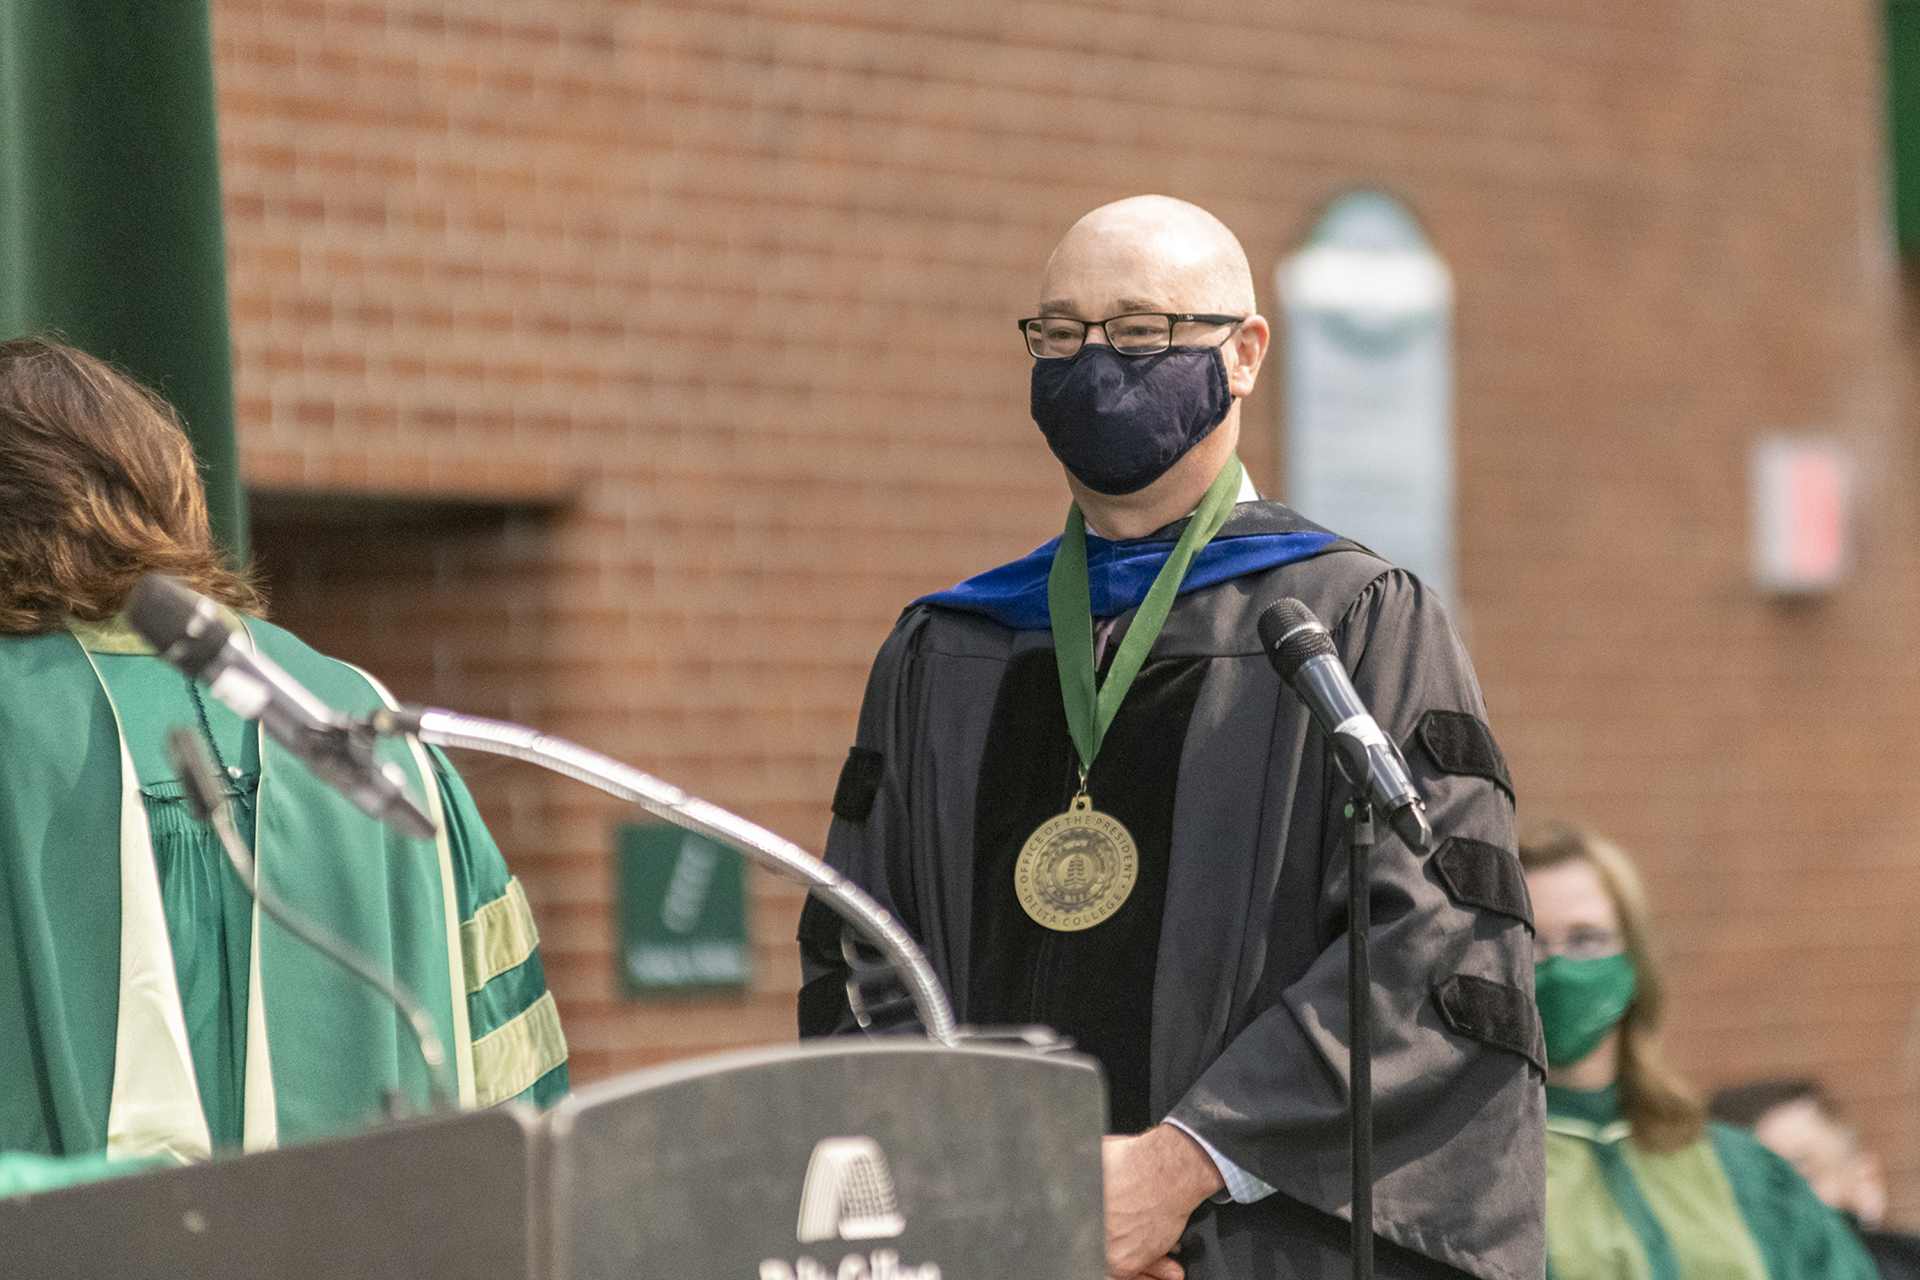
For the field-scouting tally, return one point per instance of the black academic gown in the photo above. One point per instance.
(1246, 1039)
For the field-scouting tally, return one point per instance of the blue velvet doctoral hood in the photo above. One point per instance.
(1120, 573)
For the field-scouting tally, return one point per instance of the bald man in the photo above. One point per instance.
(1080, 784)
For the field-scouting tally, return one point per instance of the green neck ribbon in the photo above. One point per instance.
(1070, 605)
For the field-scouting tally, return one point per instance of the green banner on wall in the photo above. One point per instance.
(682, 912)
(110, 217)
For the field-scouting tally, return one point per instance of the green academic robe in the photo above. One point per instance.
(146, 1008)
(1723, 1208)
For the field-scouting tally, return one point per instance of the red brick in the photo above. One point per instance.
(622, 256)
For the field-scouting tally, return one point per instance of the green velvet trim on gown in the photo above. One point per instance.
(209, 911)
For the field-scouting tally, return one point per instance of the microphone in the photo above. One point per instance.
(187, 631)
(1298, 646)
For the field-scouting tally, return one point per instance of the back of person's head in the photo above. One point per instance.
(1742, 1105)
(1654, 1100)
(1798, 1119)
(97, 486)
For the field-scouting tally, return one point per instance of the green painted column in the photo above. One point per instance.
(110, 218)
(1903, 119)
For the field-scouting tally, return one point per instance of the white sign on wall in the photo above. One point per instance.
(1367, 421)
(1801, 486)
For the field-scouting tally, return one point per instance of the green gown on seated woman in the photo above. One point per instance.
(1724, 1208)
(146, 1009)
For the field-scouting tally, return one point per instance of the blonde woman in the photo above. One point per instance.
(1639, 1185)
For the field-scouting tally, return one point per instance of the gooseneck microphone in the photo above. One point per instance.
(187, 631)
(1297, 644)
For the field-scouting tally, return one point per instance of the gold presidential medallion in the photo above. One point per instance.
(1077, 869)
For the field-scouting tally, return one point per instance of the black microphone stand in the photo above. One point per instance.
(1360, 1030)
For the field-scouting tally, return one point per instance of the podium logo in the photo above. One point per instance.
(883, 1264)
(848, 1193)
(849, 1196)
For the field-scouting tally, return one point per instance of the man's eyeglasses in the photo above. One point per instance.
(1146, 333)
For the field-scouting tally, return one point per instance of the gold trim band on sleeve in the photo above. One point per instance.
(114, 635)
(500, 937)
(508, 1060)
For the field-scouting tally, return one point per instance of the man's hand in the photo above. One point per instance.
(1153, 1182)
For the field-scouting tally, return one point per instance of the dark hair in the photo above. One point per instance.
(1744, 1104)
(1658, 1107)
(97, 486)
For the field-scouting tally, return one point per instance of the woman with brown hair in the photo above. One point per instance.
(146, 1008)
(1639, 1185)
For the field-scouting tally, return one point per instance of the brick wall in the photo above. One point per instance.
(724, 291)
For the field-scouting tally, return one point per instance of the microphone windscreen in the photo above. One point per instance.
(164, 612)
(1291, 634)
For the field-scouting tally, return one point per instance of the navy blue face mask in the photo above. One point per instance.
(1119, 423)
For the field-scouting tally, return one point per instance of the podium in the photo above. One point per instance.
(880, 1159)
(446, 1196)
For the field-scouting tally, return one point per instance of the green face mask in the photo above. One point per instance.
(1580, 1001)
